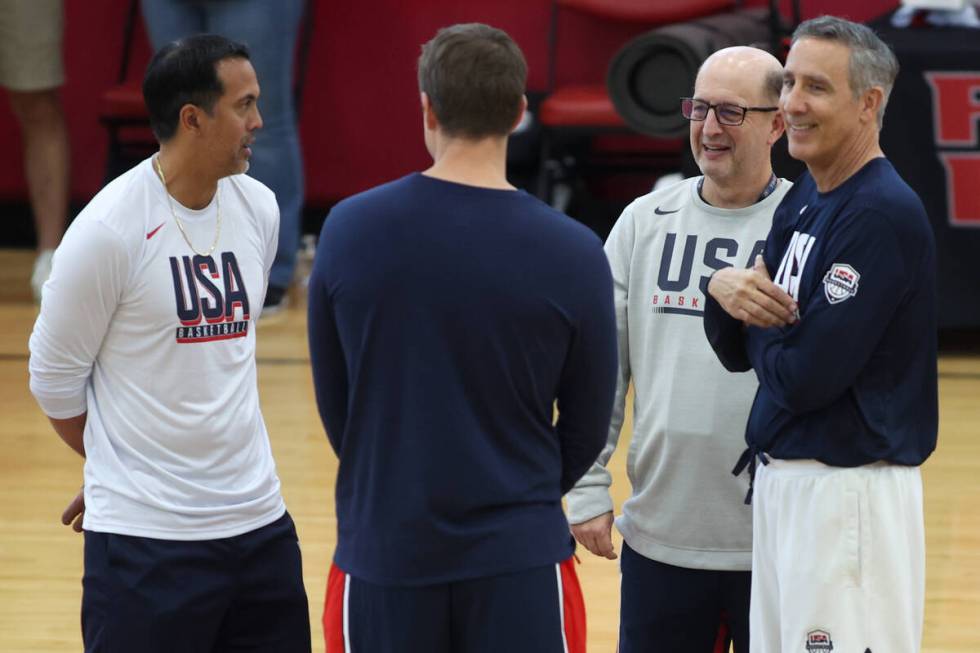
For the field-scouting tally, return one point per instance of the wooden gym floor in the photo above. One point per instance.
(41, 560)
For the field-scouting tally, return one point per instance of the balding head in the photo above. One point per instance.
(756, 67)
(732, 139)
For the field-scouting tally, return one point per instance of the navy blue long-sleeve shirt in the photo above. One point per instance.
(854, 380)
(445, 321)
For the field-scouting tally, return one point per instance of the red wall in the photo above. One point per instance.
(360, 123)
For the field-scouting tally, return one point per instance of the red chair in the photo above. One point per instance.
(121, 109)
(578, 112)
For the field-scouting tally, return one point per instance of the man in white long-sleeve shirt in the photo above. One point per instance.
(143, 357)
(688, 536)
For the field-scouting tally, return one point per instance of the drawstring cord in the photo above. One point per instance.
(748, 459)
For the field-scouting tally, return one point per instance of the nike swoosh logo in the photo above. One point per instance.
(659, 212)
(154, 232)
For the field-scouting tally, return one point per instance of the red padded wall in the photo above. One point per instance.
(360, 119)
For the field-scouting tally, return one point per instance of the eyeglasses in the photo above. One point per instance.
(732, 115)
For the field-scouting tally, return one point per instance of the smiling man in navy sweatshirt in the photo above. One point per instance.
(843, 341)
(449, 312)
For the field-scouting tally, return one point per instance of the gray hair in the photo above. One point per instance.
(872, 63)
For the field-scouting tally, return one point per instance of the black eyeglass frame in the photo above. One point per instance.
(714, 107)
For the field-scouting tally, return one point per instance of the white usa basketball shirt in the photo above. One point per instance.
(157, 344)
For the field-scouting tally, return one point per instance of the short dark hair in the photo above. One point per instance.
(185, 72)
(474, 76)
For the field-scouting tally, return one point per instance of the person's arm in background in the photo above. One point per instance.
(738, 298)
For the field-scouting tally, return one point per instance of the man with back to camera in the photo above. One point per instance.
(688, 536)
(143, 357)
(448, 313)
(847, 404)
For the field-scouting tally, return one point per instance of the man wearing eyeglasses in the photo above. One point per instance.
(847, 404)
(688, 535)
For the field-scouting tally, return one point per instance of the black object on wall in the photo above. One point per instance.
(931, 135)
(649, 74)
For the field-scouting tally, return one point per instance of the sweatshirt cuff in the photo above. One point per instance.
(587, 503)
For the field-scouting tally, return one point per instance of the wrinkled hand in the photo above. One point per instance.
(596, 535)
(75, 511)
(752, 297)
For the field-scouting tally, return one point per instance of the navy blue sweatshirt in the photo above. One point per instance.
(445, 321)
(854, 380)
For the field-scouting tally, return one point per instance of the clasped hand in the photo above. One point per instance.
(751, 297)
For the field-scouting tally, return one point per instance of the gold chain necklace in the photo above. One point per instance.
(180, 225)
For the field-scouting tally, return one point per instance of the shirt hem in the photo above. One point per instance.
(469, 574)
(709, 559)
(185, 534)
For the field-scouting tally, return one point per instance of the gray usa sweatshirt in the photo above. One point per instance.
(689, 414)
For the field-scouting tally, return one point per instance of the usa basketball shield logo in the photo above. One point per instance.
(840, 283)
(818, 641)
